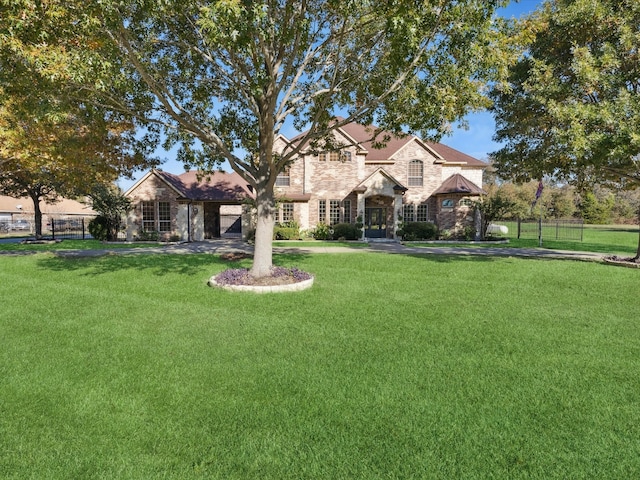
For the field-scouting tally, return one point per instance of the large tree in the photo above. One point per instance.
(63, 154)
(222, 78)
(53, 142)
(572, 106)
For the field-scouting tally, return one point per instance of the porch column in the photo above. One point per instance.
(361, 205)
(397, 213)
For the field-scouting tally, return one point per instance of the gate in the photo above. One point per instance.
(69, 229)
(231, 226)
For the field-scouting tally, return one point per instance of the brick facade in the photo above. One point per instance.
(362, 182)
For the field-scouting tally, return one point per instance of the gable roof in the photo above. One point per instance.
(217, 186)
(362, 135)
(458, 184)
(363, 185)
(451, 155)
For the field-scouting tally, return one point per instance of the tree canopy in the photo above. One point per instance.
(221, 79)
(53, 142)
(571, 108)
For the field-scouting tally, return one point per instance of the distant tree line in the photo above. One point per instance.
(597, 205)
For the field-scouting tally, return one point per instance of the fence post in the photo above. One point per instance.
(540, 231)
(519, 227)
(53, 229)
(83, 228)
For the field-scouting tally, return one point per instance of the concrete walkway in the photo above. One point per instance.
(227, 246)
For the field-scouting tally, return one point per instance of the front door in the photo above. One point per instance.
(375, 222)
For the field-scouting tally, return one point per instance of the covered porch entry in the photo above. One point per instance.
(380, 202)
(222, 220)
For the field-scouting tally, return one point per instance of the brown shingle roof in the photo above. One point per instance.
(458, 184)
(217, 186)
(452, 155)
(363, 136)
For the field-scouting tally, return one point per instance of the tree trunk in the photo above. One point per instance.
(37, 214)
(263, 249)
(637, 257)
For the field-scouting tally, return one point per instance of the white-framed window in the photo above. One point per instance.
(322, 211)
(408, 213)
(415, 173)
(334, 212)
(346, 209)
(422, 213)
(335, 156)
(284, 178)
(286, 212)
(148, 217)
(164, 217)
(156, 216)
(465, 202)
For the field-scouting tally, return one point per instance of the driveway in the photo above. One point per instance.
(231, 245)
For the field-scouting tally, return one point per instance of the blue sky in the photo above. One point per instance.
(475, 141)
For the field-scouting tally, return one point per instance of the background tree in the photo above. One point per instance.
(494, 206)
(112, 206)
(61, 155)
(54, 142)
(221, 79)
(572, 106)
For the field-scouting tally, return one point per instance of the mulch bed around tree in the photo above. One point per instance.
(630, 262)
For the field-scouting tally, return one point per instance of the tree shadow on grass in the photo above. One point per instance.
(155, 264)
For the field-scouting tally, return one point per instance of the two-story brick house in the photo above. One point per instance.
(406, 179)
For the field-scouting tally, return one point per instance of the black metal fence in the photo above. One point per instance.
(571, 229)
(69, 229)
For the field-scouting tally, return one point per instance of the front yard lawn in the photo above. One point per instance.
(391, 366)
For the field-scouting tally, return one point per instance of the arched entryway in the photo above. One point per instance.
(378, 217)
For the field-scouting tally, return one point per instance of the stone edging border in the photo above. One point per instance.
(290, 287)
(621, 263)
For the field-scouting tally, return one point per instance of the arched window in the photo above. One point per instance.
(284, 178)
(415, 173)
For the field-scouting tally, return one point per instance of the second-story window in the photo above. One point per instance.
(335, 156)
(284, 178)
(415, 173)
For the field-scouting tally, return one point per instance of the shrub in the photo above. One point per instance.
(148, 236)
(418, 231)
(286, 231)
(348, 231)
(99, 228)
(469, 233)
(322, 232)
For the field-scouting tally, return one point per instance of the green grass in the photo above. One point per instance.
(614, 240)
(390, 367)
(74, 245)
